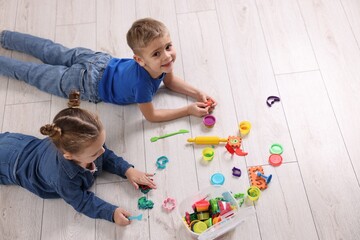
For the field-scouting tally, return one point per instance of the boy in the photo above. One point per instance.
(100, 77)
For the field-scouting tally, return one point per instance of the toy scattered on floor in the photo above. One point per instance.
(236, 172)
(207, 140)
(208, 153)
(253, 193)
(276, 149)
(209, 121)
(275, 160)
(254, 179)
(233, 146)
(271, 100)
(267, 178)
(154, 139)
(144, 203)
(144, 189)
(138, 217)
(209, 212)
(217, 179)
(161, 162)
(244, 128)
(169, 204)
(240, 197)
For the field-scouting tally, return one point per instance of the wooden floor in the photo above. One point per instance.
(240, 52)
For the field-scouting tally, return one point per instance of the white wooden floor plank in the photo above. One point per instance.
(352, 10)
(324, 163)
(286, 37)
(75, 12)
(194, 5)
(252, 81)
(338, 55)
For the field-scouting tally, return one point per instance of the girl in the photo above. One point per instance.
(65, 164)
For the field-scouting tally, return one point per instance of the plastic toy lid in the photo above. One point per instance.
(217, 179)
(275, 160)
(199, 227)
(276, 149)
(209, 120)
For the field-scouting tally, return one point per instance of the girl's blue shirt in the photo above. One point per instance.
(38, 166)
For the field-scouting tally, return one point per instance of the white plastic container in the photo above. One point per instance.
(228, 221)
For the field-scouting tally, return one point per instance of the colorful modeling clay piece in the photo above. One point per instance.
(276, 149)
(161, 162)
(236, 172)
(270, 100)
(275, 160)
(254, 179)
(209, 103)
(199, 227)
(154, 139)
(267, 178)
(203, 215)
(208, 222)
(208, 153)
(253, 193)
(201, 205)
(209, 121)
(244, 128)
(187, 218)
(144, 189)
(216, 220)
(240, 197)
(217, 179)
(143, 203)
(208, 140)
(138, 217)
(169, 204)
(214, 206)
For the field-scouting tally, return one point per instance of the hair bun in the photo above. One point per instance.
(74, 99)
(50, 130)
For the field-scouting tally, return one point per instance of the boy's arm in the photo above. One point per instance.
(178, 85)
(161, 115)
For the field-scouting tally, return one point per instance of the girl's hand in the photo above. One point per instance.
(198, 109)
(137, 178)
(120, 217)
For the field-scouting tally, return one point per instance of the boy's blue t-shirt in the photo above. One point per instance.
(125, 82)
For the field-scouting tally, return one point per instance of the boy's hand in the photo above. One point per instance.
(198, 109)
(137, 178)
(209, 101)
(120, 217)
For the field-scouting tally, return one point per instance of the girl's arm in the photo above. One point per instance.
(87, 203)
(117, 165)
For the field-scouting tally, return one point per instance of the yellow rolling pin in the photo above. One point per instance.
(208, 140)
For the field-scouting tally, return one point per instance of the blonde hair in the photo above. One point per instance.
(73, 128)
(144, 31)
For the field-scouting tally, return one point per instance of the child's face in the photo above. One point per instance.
(90, 153)
(158, 57)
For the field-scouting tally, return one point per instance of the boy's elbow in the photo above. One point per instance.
(152, 118)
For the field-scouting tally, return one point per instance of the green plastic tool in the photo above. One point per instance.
(154, 139)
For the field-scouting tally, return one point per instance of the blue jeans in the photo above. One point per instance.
(63, 69)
